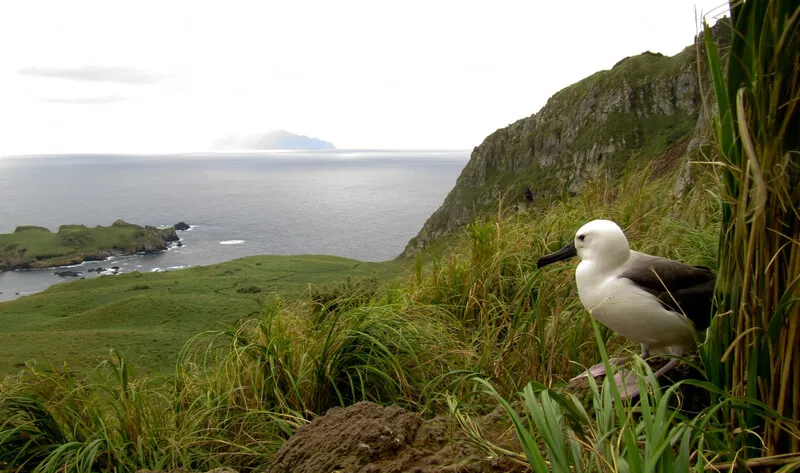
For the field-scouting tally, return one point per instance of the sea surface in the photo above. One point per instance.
(358, 204)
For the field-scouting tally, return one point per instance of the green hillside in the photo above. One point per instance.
(149, 316)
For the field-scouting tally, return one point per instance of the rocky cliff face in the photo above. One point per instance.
(643, 107)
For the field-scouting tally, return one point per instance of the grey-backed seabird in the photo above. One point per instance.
(655, 301)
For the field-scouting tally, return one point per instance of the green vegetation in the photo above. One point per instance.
(750, 356)
(477, 324)
(480, 309)
(754, 351)
(150, 316)
(38, 247)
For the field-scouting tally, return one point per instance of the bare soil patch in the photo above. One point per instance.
(368, 438)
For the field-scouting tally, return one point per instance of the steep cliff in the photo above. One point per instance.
(646, 106)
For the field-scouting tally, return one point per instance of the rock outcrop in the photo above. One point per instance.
(37, 247)
(643, 107)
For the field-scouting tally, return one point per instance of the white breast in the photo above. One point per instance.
(632, 312)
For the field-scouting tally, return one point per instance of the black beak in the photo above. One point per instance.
(567, 252)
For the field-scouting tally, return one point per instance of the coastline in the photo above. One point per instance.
(30, 247)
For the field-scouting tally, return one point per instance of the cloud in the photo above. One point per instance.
(123, 75)
(86, 100)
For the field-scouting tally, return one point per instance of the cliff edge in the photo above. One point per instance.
(645, 107)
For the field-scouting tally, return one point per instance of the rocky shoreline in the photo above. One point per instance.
(31, 247)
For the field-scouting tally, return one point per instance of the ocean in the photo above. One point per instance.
(358, 204)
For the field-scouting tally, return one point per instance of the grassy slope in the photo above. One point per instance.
(149, 316)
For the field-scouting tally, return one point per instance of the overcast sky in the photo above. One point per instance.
(164, 76)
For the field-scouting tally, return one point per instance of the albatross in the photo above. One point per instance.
(657, 302)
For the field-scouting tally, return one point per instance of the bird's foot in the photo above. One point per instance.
(628, 383)
(598, 370)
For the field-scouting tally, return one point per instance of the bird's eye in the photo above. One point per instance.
(581, 237)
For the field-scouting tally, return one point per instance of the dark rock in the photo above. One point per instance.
(179, 244)
(169, 234)
(115, 268)
(67, 274)
(181, 226)
(151, 247)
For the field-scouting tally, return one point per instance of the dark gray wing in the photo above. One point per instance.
(679, 287)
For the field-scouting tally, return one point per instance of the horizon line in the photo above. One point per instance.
(230, 151)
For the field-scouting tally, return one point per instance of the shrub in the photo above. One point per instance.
(249, 290)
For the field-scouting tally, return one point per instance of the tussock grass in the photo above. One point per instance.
(525, 323)
(56, 421)
(750, 356)
(754, 351)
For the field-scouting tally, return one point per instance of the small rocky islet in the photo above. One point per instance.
(33, 247)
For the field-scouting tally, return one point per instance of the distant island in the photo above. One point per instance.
(38, 247)
(275, 139)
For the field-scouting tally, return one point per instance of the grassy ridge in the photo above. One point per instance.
(149, 316)
(38, 247)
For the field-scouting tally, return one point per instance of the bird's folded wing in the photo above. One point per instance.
(684, 289)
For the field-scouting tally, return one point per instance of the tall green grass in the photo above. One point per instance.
(559, 432)
(56, 421)
(754, 350)
(525, 323)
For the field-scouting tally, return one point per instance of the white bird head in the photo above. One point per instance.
(597, 241)
(602, 239)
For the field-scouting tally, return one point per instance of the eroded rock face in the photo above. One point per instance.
(366, 437)
(643, 107)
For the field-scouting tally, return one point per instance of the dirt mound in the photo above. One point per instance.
(368, 438)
